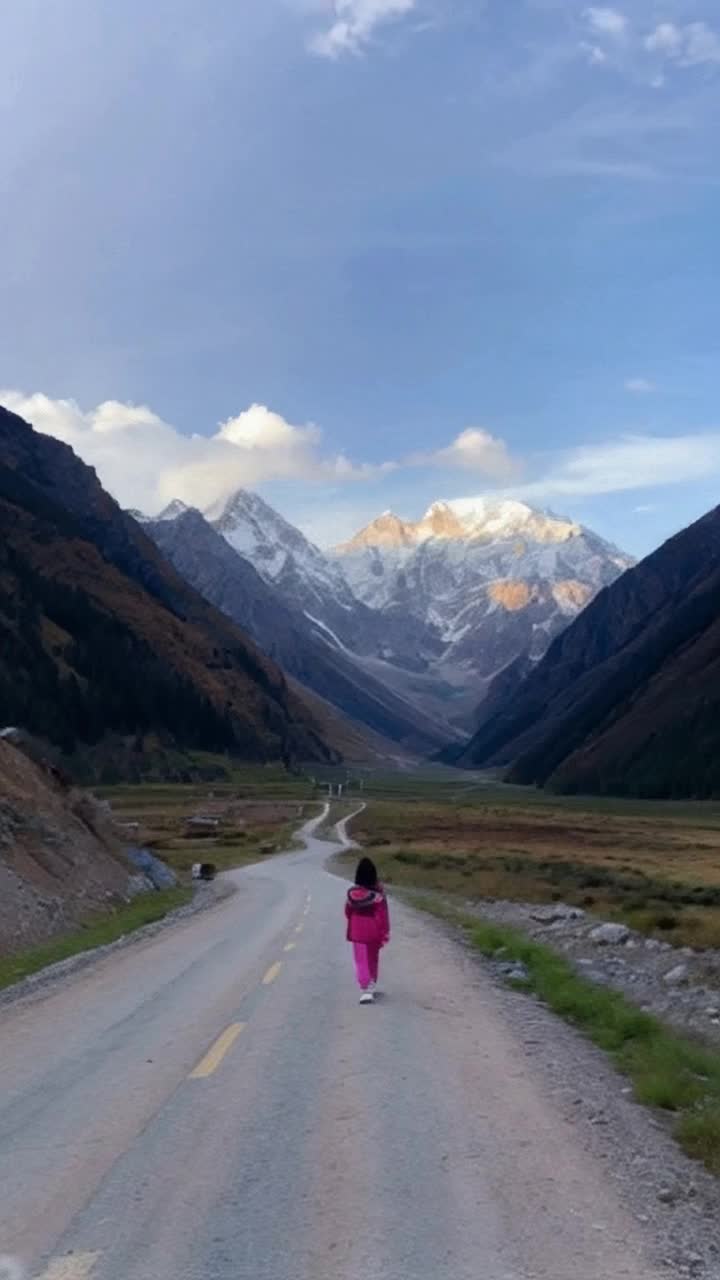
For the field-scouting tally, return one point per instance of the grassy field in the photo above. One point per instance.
(230, 824)
(653, 865)
(96, 932)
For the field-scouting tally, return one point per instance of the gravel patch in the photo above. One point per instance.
(38, 984)
(679, 985)
(675, 1200)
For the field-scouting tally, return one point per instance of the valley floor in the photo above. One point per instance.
(653, 865)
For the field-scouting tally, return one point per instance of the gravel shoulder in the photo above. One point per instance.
(679, 985)
(671, 1197)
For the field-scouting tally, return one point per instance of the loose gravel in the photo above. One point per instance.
(675, 1200)
(679, 985)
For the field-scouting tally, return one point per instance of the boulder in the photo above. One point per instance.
(558, 913)
(610, 935)
(138, 884)
(159, 875)
(677, 977)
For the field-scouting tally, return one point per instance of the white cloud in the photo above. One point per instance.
(607, 22)
(260, 430)
(639, 386)
(693, 45)
(702, 45)
(631, 462)
(666, 38)
(613, 41)
(641, 142)
(354, 24)
(145, 462)
(473, 450)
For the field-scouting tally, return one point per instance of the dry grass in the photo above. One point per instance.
(655, 866)
(249, 820)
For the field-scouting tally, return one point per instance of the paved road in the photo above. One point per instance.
(213, 1104)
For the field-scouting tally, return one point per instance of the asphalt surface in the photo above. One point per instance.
(212, 1103)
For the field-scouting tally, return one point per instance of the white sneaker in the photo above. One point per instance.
(367, 997)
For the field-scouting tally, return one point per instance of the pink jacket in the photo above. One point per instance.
(368, 918)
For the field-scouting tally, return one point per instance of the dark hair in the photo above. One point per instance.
(366, 875)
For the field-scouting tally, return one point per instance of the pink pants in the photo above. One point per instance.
(367, 957)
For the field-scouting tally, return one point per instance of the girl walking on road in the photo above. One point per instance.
(368, 926)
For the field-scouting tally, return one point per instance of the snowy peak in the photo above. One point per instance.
(173, 510)
(387, 531)
(439, 521)
(286, 559)
(260, 533)
(431, 609)
(463, 520)
(497, 520)
(489, 577)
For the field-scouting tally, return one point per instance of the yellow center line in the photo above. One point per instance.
(290, 946)
(299, 928)
(214, 1057)
(77, 1267)
(272, 973)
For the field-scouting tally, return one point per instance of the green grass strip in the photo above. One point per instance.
(668, 1070)
(97, 932)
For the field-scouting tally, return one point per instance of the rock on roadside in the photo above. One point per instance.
(610, 935)
(677, 984)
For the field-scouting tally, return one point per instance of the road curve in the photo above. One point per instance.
(212, 1103)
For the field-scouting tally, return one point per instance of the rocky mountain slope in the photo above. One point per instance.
(100, 635)
(60, 856)
(627, 700)
(489, 580)
(307, 579)
(306, 649)
(417, 616)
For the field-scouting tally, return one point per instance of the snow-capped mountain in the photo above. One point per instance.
(432, 609)
(490, 579)
(310, 581)
(173, 510)
(302, 648)
(280, 552)
(306, 578)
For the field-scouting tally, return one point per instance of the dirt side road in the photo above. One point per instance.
(212, 1103)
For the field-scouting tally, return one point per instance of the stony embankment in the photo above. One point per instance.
(681, 986)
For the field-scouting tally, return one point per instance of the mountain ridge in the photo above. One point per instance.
(463, 519)
(301, 647)
(101, 635)
(432, 609)
(612, 705)
(489, 579)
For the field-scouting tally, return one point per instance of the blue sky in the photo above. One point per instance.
(367, 253)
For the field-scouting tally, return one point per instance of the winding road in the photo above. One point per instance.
(211, 1103)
